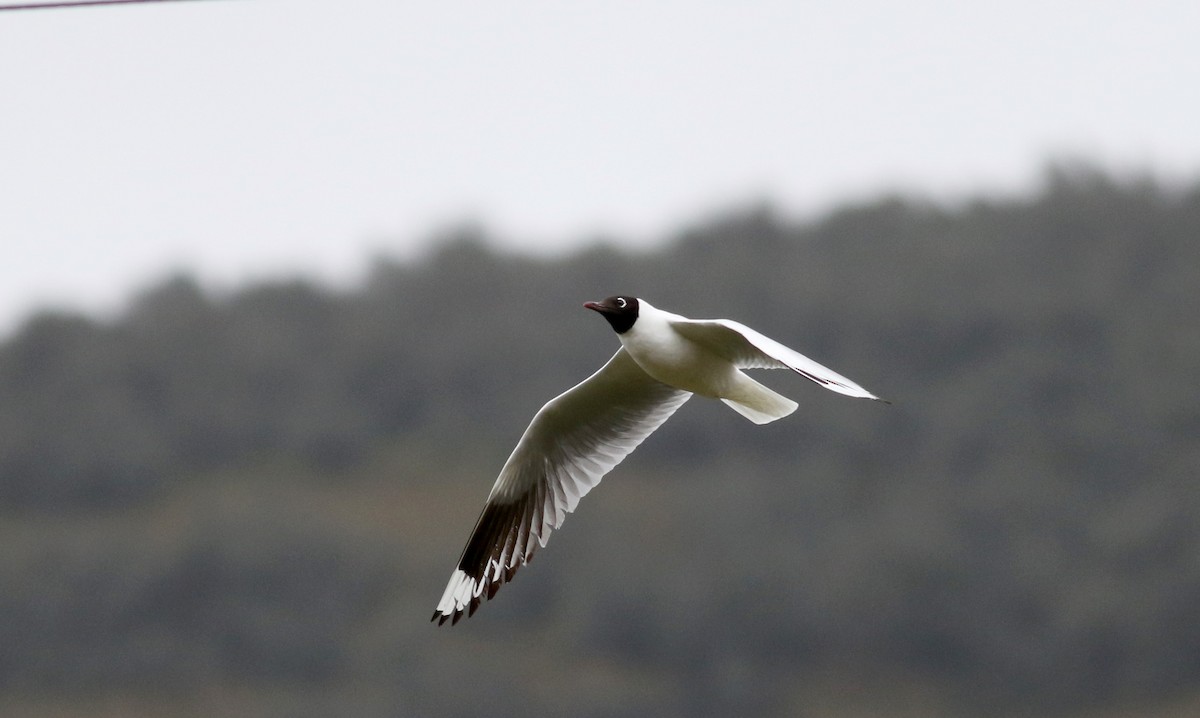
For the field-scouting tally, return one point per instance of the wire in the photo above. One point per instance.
(77, 3)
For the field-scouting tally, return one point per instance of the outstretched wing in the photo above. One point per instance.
(573, 441)
(748, 349)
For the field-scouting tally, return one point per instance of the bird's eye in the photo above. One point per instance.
(621, 302)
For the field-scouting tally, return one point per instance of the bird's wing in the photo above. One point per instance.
(573, 441)
(748, 349)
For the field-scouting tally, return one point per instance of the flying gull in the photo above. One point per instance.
(580, 435)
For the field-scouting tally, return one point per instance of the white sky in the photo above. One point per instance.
(251, 138)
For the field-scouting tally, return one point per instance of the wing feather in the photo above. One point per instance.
(748, 349)
(573, 441)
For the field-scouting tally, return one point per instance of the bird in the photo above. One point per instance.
(580, 435)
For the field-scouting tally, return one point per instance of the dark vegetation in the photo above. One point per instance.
(249, 503)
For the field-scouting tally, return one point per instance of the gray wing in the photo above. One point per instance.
(748, 349)
(573, 441)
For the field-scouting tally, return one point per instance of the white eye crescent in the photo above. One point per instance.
(621, 302)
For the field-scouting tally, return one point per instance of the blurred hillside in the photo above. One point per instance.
(249, 504)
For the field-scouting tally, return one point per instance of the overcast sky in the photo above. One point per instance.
(253, 138)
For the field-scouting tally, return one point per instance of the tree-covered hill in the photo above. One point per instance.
(254, 499)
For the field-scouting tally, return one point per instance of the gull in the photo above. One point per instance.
(580, 435)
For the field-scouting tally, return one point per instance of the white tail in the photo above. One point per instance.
(758, 403)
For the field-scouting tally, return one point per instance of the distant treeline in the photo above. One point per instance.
(1021, 528)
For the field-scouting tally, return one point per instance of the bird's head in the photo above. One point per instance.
(620, 311)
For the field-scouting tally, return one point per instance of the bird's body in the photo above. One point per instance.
(580, 435)
(669, 355)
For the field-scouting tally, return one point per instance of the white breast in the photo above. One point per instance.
(673, 359)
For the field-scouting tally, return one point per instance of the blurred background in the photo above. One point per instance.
(283, 284)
